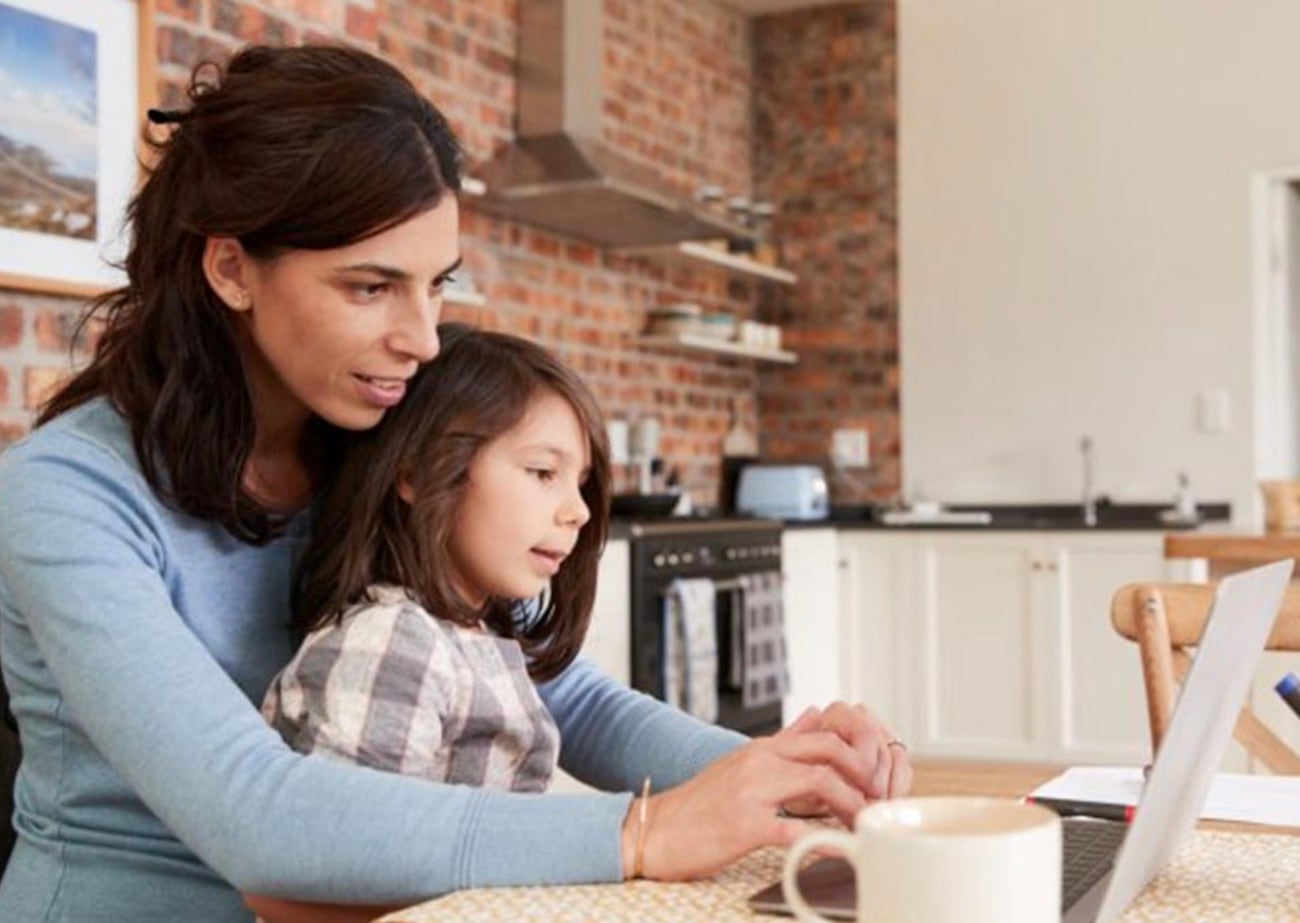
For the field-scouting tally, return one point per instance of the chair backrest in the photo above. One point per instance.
(1165, 619)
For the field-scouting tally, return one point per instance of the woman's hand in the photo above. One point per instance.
(827, 761)
(883, 756)
(733, 806)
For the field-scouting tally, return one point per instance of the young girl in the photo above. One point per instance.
(487, 487)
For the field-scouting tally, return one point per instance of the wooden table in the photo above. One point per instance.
(1223, 872)
(1227, 552)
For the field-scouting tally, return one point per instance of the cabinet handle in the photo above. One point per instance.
(1036, 565)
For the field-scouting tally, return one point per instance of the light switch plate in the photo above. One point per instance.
(1214, 411)
(850, 448)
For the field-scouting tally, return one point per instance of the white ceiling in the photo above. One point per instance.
(760, 7)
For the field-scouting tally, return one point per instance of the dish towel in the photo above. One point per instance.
(766, 677)
(690, 658)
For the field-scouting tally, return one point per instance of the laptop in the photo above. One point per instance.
(1106, 864)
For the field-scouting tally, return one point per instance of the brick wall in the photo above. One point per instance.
(679, 95)
(825, 127)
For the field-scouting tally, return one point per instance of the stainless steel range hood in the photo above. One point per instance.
(558, 174)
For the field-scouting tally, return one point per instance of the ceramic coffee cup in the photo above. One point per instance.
(944, 860)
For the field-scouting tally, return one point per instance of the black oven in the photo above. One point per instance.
(719, 549)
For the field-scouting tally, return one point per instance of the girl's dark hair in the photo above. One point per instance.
(478, 388)
(305, 148)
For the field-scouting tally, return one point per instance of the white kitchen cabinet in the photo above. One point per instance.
(979, 647)
(998, 645)
(609, 639)
(813, 625)
(1096, 696)
(608, 643)
(874, 580)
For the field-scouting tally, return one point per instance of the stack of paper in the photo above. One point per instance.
(1273, 800)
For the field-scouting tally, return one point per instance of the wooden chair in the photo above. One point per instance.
(1167, 618)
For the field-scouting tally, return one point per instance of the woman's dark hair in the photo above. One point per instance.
(479, 387)
(305, 148)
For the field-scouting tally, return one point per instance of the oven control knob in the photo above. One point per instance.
(730, 554)
(688, 558)
(705, 555)
(672, 560)
(659, 560)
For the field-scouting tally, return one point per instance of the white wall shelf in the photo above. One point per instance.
(694, 253)
(695, 343)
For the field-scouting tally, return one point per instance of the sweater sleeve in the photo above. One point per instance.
(612, 737)
(79, 562)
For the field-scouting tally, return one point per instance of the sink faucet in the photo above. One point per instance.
(1089, 497)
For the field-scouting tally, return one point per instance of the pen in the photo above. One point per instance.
(1288, 688)
(1068, 807)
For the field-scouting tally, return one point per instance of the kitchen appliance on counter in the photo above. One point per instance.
(783, 491)
(722, 550)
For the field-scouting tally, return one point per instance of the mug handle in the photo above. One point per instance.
(836, 839)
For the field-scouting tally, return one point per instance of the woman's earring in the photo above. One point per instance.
(241, 302)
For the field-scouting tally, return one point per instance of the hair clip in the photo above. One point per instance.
(167, 116)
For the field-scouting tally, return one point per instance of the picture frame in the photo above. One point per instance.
(75, 81)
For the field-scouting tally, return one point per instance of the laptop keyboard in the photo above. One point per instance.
(1089, 848)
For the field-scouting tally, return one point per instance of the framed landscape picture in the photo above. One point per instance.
(75, 79)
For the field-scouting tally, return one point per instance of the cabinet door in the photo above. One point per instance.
(811, 599)
(874, 659)
(609, 640)
(981, 653)
(1095, 690)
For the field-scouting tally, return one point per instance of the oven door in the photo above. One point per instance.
(656, 562)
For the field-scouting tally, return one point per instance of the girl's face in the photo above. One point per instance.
(338, 333)
(522, 508)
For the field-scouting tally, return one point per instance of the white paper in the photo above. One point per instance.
(1234, 796)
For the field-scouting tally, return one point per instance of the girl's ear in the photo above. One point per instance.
(405, 490)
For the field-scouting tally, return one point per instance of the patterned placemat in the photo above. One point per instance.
(1214, 876)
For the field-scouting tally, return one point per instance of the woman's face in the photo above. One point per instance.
(338, 333)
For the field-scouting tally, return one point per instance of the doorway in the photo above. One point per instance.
(1276, 243)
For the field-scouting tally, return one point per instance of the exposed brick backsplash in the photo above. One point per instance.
(780, 106)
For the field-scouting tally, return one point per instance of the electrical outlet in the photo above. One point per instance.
(850, 448)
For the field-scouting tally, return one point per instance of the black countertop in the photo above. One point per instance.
(1012, 517)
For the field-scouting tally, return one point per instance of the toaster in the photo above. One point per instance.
(783, 491)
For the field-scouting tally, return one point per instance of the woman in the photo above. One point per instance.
(285, 278)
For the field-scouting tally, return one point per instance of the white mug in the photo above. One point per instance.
(944, 860)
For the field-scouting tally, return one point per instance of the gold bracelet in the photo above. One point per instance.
(638, 865)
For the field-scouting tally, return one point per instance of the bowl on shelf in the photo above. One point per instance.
(673, 319)
(718, 326)
(649, 506)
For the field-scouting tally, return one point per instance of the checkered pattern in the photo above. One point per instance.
(395, 688)
(766, 677)
(690, 658)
